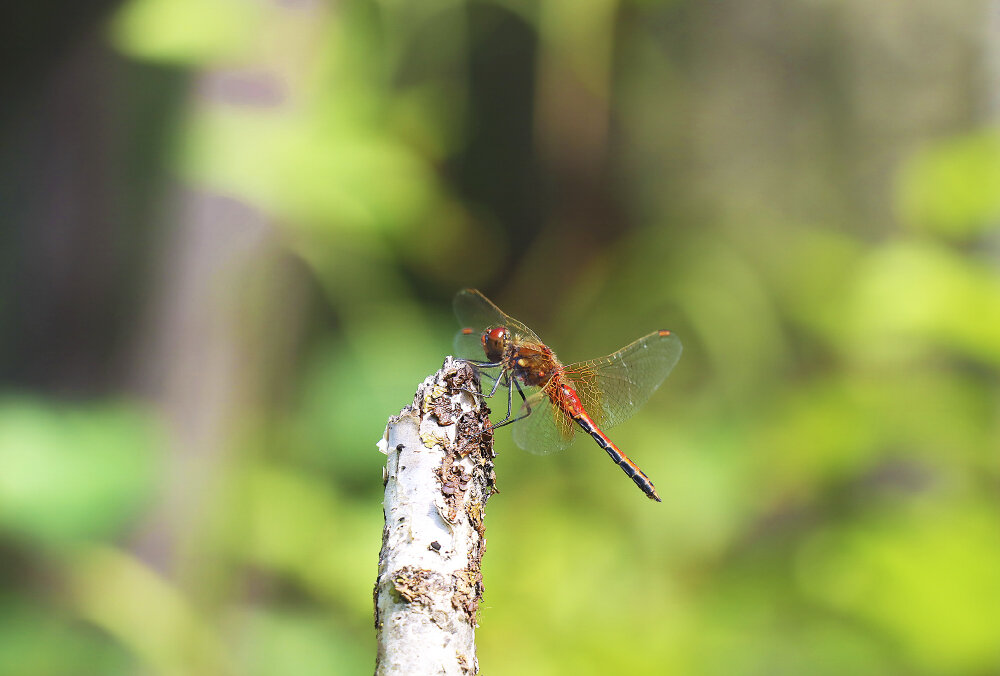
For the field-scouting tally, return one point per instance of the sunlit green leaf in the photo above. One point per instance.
(69, 472)
(953, 187)
(185, 31)
(143, 611)
(927, 576)
(38, 640)
(280, 642)
(910, 296)
(321, 177)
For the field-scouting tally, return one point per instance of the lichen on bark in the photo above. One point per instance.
(438, 477)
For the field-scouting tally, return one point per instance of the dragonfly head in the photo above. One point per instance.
(495, 342)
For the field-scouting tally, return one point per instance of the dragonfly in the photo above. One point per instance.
(593, 395)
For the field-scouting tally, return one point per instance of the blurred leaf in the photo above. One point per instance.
(953, 187)
(908, 297)
(765, 633)
(233, 151)
(722, 293)
(822, 432)
(282, 642)
(35, 640)
(604, 596)
(287, 512)
(809, 283)
(927, 576)
(322, 177)
(187, 32)
(580, 35)
(144, 612)
(350, 178)
(300, 529)
(352, 386)
(72, 472)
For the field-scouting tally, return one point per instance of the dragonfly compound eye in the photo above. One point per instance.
(494, 342)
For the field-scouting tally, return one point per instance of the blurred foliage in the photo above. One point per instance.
(953, 187)
(196, 375)
(71, 474)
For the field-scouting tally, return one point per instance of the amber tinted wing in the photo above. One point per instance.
(476, 313)
(613, 388)
(547, 429)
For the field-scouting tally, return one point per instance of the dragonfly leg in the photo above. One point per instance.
(496, 384)
(510, 397)
(480, 365)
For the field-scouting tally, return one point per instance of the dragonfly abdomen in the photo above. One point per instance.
(573, 407)
(630, 468)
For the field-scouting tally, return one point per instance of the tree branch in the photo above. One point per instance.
(438, 477)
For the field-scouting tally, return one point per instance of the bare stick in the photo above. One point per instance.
(438, 476)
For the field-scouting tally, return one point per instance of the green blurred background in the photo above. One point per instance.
(230, 236)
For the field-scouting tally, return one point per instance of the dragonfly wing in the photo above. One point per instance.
(475, 311)
(546, 430)
(613, 388)
(468, 344)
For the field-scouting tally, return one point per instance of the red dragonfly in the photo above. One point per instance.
(595, 394)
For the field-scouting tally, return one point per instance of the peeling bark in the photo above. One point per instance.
(438, 477)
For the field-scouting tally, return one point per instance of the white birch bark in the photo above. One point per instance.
(438, 477)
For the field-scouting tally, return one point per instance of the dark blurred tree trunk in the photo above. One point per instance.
(80, 179)
(39, 37)
(88, 205)
(220, 332)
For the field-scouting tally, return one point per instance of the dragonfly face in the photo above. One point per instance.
(495, 342)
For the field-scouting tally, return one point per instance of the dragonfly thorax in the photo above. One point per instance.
(532, 365)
